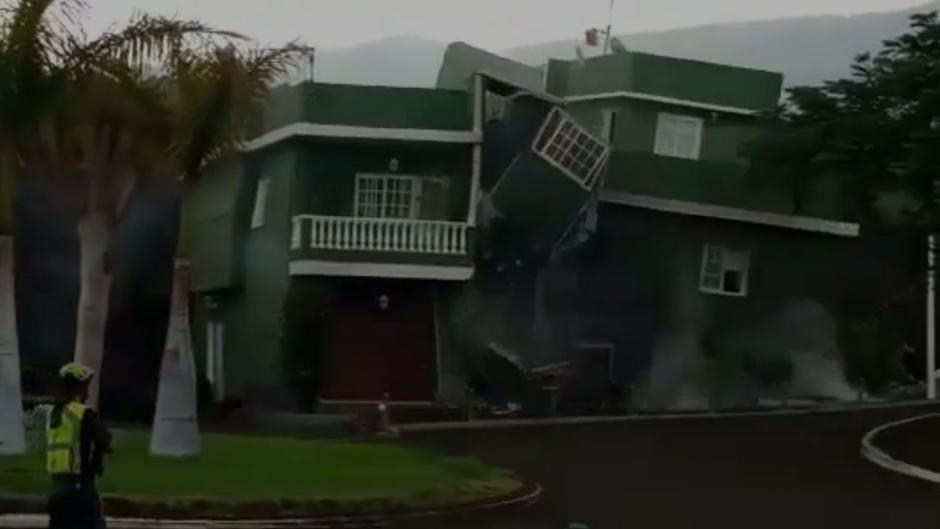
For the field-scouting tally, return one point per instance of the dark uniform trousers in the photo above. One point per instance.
(74, 504)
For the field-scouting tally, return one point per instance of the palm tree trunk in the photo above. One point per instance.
(12, 437)
(175, 425)
(94, 238)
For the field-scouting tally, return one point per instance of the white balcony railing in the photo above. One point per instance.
(380, 235)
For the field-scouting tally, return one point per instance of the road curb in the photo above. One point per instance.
(562, 421)
(880, 457)
(526, 496)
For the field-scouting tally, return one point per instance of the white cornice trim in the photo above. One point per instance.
(794, 222)
(662, 99)
(311, 267)
(315, 130)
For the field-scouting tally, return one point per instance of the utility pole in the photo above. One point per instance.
(931, 317)
(311, 64)
(932, 280)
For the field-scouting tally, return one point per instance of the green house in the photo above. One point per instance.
(701, 283)
(326, 252)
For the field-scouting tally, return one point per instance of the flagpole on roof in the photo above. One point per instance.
(610, 26)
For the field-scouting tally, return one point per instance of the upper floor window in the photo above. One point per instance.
(570, 148)
(261, 203)
(679, 136)
(724, 271)
(386, 196)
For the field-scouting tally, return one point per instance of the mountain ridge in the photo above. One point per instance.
(807, 50)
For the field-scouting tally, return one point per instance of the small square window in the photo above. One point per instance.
(679, 136)
(724, 271)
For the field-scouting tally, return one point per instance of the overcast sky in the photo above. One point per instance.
(494, 24)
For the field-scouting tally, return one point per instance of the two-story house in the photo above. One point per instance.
(702, 283)
(326, 251)
(329, 257)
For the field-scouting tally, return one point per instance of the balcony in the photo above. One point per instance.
(373, 247)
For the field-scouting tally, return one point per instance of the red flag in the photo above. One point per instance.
(591, 37)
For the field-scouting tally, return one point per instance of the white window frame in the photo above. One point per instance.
(565, 141)
(259, 212)
(414, 206)
(667, 119)
(720, 290)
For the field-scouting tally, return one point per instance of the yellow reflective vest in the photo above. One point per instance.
(63, 441)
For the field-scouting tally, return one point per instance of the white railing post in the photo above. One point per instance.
(334, 234)
(396, 227)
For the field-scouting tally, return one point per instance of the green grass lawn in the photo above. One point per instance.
(234, 469)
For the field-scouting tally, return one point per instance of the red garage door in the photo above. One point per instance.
(383, 343)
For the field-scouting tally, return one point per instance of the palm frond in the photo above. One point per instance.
(146, 42)
(218, 94)
(32, 33)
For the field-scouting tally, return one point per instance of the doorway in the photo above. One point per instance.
(383, 343)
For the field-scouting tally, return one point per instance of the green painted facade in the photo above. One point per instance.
(635, 286)
(216, 206)
(367, 106)
(670, 77)
(327, 175)
(722, 175)
(253, 313)
(241, 273)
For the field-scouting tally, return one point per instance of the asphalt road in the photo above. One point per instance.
(800, 471)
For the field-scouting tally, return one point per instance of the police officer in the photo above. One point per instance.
(76, 443)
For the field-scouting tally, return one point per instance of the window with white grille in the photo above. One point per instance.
(572, 149)
(386, 196)
(679, 136)
(261, 203)
(724, 271)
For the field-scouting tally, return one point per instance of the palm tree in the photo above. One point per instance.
(208, 108)
(152, 101)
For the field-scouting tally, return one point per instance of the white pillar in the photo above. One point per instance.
(931, 319)
(477, 168)
(12, 437)
(175, 425)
